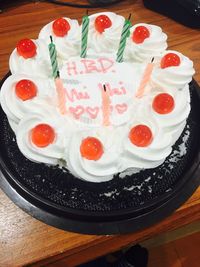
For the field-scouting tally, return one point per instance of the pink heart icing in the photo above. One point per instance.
(93, 112)
(121, 108)
(77, 111)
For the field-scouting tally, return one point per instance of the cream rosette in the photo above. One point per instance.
(15, 108)
(66, 46)
(52, 153)
(107, 41)
(175, 77)
(102, 169)
(152, 155)
(175, 121)
(39, 65)
(152, 46)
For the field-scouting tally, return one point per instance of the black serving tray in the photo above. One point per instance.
(115, 207)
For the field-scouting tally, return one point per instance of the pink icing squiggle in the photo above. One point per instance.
(77, 111)
(145, 79)
(92, 111)
(61, 95)
(121, 108)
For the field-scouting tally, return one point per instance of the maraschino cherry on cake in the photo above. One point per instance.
(99, 116)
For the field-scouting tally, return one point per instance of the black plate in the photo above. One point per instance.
(118, 206)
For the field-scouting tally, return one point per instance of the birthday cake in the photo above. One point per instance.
(111, 100)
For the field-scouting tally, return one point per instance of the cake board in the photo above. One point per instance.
(116, 207)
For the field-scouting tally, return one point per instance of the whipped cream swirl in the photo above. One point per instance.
(90, 170)
(39, 65)
(15, 108)
(68, 45)
(107, 41)
(152, 155)
(175, 76)
(152, 46)
(52, 153)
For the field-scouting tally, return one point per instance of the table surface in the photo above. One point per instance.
(23, 239)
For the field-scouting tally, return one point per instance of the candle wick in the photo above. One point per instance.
(129, 16)
(152, 60)
(51, 39)
(58, 74)
(104, 88)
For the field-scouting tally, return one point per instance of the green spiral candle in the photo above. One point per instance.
(124, 35)
(53, 57)
(85, 29)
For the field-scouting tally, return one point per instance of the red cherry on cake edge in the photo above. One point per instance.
(42, 135)
(91, 148)
(170, 60)
(25, 89)
(26, 48)
(141, 135)
(102, 22)
(163, 103)
(60, 27)
(140, 34)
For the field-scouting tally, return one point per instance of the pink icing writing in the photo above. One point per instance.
(71, 68)
(77, 111)
(113, 91)
(74, 95)
(121, 108)
(101, 65)
(93, 112)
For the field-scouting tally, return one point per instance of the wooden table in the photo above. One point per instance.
(24, 240)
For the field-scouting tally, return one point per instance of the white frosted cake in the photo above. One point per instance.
(100, 117)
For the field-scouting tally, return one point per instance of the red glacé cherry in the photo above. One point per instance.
(25, 90)
(141, 135)
(163, 103)
(102, 22)
(42, 135)
(61, 27)
(91, 148)
(170, 60)
(140, 34)
(26, 48)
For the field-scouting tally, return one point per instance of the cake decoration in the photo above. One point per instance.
(102, 22)
(141, 135)
(42, 135)
(91, 148)
(169, 60)
(84, 38)
(53, 58)
(25, 89)
(62, 101)
(163, 103)
(26, 48)
(37, 63)
(60, 27)
(124, 35)
(140, 34)
(98, 115)
(152, 46)
(105, 106)
(145, 79)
